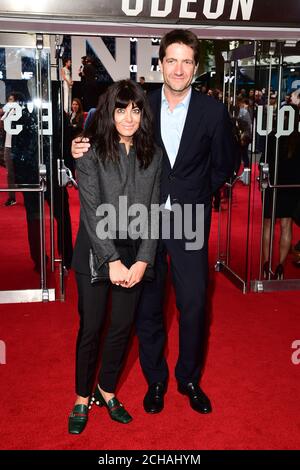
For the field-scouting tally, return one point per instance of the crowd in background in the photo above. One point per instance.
(243, 110)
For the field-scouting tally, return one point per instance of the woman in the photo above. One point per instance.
(73, 127)
(288, 171)
(122, 161)
(76, 117)
(11, 201)
(67, 84)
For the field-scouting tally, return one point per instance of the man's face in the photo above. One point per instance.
(178, 67)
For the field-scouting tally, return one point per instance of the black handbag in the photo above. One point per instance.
(127, 251)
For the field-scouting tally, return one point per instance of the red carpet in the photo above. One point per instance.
(249, 375)
(16, 267)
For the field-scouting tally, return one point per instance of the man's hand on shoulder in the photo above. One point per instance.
(80, 147)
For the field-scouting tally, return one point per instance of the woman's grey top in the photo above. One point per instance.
(108, 190)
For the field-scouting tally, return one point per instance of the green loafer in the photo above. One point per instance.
(78, 419)
(115, 409)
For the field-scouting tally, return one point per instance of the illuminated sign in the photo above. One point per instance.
(254, 12)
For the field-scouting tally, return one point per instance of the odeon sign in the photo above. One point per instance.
(191, 12)
(189, 9)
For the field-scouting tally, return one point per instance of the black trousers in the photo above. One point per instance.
(92, 307)
(189, 271)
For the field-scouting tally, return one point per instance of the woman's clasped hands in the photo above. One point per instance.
(122, 276)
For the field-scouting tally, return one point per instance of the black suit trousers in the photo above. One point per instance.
(189, 270)
(92, 307)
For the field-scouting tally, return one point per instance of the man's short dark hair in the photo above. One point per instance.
(180, 36)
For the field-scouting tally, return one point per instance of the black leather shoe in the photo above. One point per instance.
(198, 400)
(154, 398)
(78, 419)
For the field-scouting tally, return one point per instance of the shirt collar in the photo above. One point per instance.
(185, 102)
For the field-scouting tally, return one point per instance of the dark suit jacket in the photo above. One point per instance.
(206, 154)
(103, 183)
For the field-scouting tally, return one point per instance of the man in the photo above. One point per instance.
(143, 83)
(80, 71)
(90, 87)
(81, 75)
(195, 134)
(245, 129)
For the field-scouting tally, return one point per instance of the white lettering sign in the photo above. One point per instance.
(184, 7)
(47, 118)
(155, 11)
(212, 11)
(138, 8)
(210, 15)
(285, 121)
(246, 7)
(117, 67)
(13, 112)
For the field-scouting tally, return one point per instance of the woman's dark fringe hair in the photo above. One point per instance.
(180, 36)
(102, 131)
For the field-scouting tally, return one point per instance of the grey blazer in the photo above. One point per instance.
(102, 183)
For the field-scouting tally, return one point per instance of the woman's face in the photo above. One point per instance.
(127, 120)
(295, 98)
(75, 107)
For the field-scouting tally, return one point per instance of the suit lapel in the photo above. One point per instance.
(194, 116)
